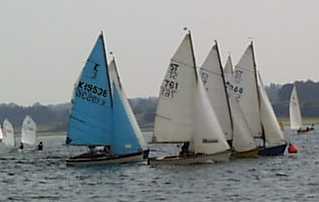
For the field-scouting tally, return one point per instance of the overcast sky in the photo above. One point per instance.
(44, 44)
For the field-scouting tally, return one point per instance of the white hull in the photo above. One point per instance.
(104, 161)
(195, 159)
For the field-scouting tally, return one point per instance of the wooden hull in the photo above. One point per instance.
(82, 160)
(189, 160)
(246, 154)
(273, 151)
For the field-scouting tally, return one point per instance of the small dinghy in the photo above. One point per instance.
(29, 132)
(8, 139)
(295, 114)
(184, 115)
(101, 117)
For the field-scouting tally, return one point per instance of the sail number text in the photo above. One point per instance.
(170, 86)
(91, 93)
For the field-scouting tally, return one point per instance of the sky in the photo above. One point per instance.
(44, 44)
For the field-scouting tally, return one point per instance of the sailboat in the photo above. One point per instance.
(226, 107)
(256, 106)
(29, 131)
(184, 115)
(295, 113)
(8, 135)
(101, 115)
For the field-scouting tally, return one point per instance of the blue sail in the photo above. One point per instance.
(90, 121)
(125, 139)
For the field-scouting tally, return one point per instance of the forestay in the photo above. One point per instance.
(8, 134)
(214, 82)
(294, 110)
(28, 131)
(173, 120)
(273, 134)
(90, 120)
(245, 88)
(127, 136)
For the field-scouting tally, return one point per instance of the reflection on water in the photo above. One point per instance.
(43, 176)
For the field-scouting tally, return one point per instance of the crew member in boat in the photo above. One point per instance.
(40, 146)
(21, 146)
(184, 149)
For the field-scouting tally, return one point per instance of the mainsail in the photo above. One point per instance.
(294, 110)
(173, 120)
(91, 114)
(8, 134)
(28, 131)
(213, 79)
(127, 136)
(245, 88)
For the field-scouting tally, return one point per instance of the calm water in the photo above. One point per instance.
(43, 176)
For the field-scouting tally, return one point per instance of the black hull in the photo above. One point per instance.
(273, 151)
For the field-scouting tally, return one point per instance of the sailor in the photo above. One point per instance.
(184, 149)
(92, 149)
(107, 150)
(21, 146)
(40, 146)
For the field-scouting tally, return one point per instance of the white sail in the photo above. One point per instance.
(294, 110)
(173, 120)
(245, 88)
(242, 137)
(214, 82)
(117, 84)
(228, 69)
(8, 134)
(1, 135)
(273, 134)
(28, 131)
(208, 135)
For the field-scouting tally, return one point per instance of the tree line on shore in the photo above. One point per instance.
(55, 117)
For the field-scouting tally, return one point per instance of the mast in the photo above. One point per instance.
(226, 93)
(193, 54)
(258, 93)
(107, 70)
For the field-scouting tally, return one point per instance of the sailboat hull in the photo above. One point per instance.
(246, 154)
(106, 159)
(273, 151)
(189, 160)
(304, 130)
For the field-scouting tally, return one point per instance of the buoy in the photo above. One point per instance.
(292, 149)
